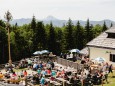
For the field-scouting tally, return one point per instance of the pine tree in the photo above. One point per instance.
(89, 34)
(33, 27)
(79, 36)
(111, 24)
(41, 36)
(33, 23)
(3, 44)
(2, 24)
(52, 39)
(69, 35)
(20, 47)
(59, 37)
(104, 28)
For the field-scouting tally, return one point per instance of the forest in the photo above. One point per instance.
(28, 38)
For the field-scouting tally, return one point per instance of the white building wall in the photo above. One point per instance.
(101, 52)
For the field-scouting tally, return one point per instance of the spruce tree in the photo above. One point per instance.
(59, 37)
(33, 27)
(89, 34)
(111, 24)
(41, 36)
(79, 36)
(69, 35)
(104, 28)
(3, 44)
(33, 23)
(52, 39)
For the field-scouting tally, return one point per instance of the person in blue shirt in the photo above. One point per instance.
(43, 72)
(42, 81)
(39, 71)
(53, 73)
(40, 65)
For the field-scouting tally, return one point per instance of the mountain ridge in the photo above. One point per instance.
(59, 22)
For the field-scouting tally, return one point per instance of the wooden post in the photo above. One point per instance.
(63, 83)
(102, 81)
(82, 82)
(10, 61)
(8, 17)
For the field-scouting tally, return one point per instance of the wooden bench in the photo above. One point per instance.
(68, 83)
(14, 81)
(1, 76)
(55, 83)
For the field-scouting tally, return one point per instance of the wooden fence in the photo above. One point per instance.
(66, 62)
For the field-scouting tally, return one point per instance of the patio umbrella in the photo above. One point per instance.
(37, 53)
(99, 59)
(75, 50)
(44, 51)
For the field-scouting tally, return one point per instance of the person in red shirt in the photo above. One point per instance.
(25, 73)
(14, 74)
(62, 72)
(48, 71)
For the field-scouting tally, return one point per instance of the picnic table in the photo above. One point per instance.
(68, 83)
(6, 84)
(12, 81)
(48, 75)
(54, 83)
(62, 80)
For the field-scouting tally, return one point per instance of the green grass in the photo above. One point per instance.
(111, 80)
(109, 84)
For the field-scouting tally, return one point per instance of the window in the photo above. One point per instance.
(112, 57)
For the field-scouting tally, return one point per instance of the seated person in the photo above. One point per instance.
(14, 74)
(1, 75)
(66, 77)
(58, 73)
(71, 80)
(39, 71)
(42, 81)
(52, 78)
(63, 71)
(43, 72)
(25, 73)
(53, 73)
(7, 75)
(48, 71)
(33, 79)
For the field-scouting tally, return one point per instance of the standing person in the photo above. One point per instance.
(52, 65)
(110, 69)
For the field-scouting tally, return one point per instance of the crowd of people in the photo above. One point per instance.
(48, 70)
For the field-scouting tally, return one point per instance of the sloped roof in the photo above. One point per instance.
(111, 30)
(103, 41)
(84, 51)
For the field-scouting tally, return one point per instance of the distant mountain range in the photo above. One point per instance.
(58, 22)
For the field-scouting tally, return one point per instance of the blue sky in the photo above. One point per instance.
(61, 9)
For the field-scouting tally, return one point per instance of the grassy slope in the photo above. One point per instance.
(110, 79)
